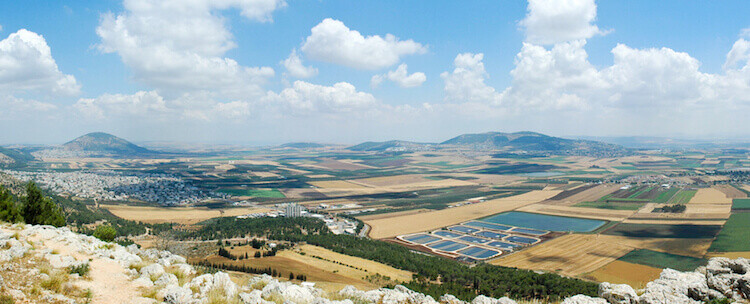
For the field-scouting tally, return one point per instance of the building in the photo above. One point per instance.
(292, 210)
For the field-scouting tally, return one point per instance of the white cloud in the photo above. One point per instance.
(294, 66)
(177, 46)
(401, 77)
(307, 98)
(142, 103)
(332, 41)
(26, 65)
(553, 21)
(739, 53)
(466, 82)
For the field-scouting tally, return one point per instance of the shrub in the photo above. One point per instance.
(40, 210)
(81, 270)
(6, 299)
(105, 233)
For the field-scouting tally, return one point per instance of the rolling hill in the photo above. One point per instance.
(392, 146)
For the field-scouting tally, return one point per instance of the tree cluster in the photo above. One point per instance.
(35, 208)
(679, 208)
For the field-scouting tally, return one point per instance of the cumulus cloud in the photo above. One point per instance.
(739, 53)
(26, 65)
(401, 77)
(466, 81)
(177, 46)
(306, 98)
(332, 41)
(295, 68)
(553, 21)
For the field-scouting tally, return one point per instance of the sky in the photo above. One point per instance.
(262, 72)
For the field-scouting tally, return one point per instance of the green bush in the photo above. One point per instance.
(81, 270)
(9, 212)
(105, 233)
(39, 209)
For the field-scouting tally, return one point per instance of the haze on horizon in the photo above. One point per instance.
(274, 71)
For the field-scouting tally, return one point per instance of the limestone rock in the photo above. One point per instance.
(582, 299)
(152, 271)
(618, 293)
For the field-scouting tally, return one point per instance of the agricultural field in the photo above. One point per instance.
(266, 193)
(664, 231)
(180, 215)
(663, 260)
(620, 272)
(741, 204)
(544, 222)
(734, 235)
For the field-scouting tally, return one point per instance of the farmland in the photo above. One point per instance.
(734, 234)
(663, 260)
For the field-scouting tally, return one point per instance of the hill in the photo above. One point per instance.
(534, 142)
(14, 157)
(103, 144)
(392, 146)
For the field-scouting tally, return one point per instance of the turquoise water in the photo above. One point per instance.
(544, 222)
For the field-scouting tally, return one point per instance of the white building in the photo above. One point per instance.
(293, 210)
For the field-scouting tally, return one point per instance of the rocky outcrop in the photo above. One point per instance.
(132, 275)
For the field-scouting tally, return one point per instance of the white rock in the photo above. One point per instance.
(450, 299)
(184, 269)
(253, 297)
(582, 299)
(152, 271)
(618, 293)
(177, 295)
(143, 282)
(481, 299)
(166, 279)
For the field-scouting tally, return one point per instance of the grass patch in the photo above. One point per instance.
(611, 205)
(682, 197)
(741, 204)
(663, 260)
(81, 270)
(734, 234)
(664, 197)
(267, 193)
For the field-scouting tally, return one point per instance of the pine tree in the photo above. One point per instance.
(9, 212)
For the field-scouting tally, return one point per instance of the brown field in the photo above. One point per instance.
(320, 176)
(369, 267)
(587, 195)
(673, 221)
(181, 215)
(286, 265)
(592, 213)
(264, 174)
(337, 184)
(333, 164)
(408, 182)
(404, 224)
(619, 272)
(730, 191)
(570, 255)
(387, 181)
(494, 179)
(392, 214)
(689, 247)
(710, 196)
(731, 255)
(301, 192)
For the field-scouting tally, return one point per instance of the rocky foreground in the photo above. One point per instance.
(43, 264)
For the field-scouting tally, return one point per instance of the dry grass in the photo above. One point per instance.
(571, 255)
(410, 223)
(181, 215)
(337, 184)
(730, 191)
(710, 196)
(731, 255)
(366, 267)
(619, 272)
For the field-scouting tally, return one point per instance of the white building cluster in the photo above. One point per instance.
(115, 186)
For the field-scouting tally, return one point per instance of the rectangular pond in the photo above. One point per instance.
(492, 235)
(488, 225)
(473, 239)
(503, 245)
(521, 239)
(447, 246)
(463, 229)
(544, 222)
(479, 253)
(447, 234)
(421, 238)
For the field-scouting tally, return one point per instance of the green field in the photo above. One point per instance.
(682, 197)
(611, 205)
(664, 197)
(269, 193)
(641, 191)
(741, 204)
(735, 234)
(665, 231)
(663, 260)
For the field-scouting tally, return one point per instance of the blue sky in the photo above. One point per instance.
(118, 87)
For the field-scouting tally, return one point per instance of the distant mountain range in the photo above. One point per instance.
(525, 142)
(302, 145)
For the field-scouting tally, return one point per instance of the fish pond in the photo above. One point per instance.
(544, 222)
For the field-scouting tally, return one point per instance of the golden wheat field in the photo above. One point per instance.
(181, 215)
(619, 272)
(571, 255)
